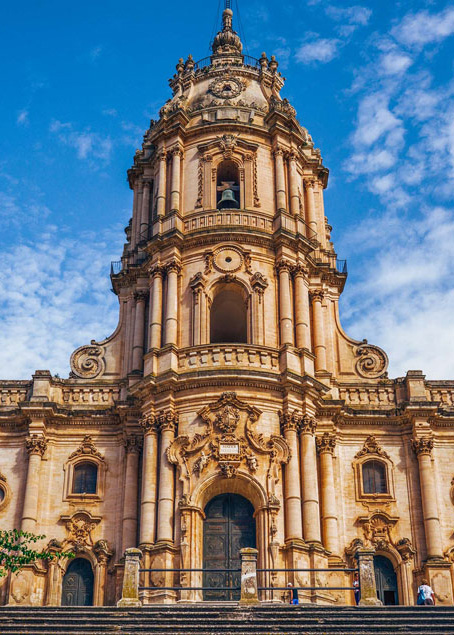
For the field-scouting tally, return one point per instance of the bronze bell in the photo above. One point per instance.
(228, 200)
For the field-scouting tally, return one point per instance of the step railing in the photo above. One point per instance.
(249, 588)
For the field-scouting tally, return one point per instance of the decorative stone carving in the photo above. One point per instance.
(259, 283)
(451, 491)
(228, 259)
(102, 551)
(282, 106)
(377, 528)
(226, 88)
(148, 424)
(297, 421)
(79, 527)
(5, 492)
(307, 425)
(87, 448)
(36, 444)
(133, 443)
(405, 548)
(372, 361)
(371, 446)
(424, 445)
(326, 443)
(173, 265)
(236, 444)
(87, 362)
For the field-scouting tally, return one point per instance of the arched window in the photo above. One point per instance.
(85, 478)
(228, 186)
(374, 477)
(228, 317)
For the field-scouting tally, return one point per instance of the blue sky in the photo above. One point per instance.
(372, 82)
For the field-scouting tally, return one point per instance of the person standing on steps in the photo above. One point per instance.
(356, 588)
(293, 594)
(426, 595)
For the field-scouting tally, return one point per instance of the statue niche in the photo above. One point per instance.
(230, 443)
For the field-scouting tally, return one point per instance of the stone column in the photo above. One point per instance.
(280, 179)
(259, 284)
(285, 305)
(139, 329)
(175, 185)
(171, 319)
(134, 219)
(129, 317)
(130, 590)
(294, 194)
(325, 448)
(311, 511)
(145, 215)
(197, 284)
(149, 481)
(167, 423)
(292, 490)
(319, 331)
(423, 449)
(161, 198)
(155, 307)
(36, 446)
(249, 592)
(302, 312)
(133, 446)
(310, 204)
(138, 214)
(367, 583)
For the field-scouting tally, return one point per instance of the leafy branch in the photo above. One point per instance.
(17, 550)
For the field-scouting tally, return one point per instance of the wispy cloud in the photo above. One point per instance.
(88, 144)
(356, 15)
(318, 49)
(419, 29)
(95, 53)
(56, 296)
(22, 118)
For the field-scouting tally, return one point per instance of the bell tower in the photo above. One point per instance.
(229, 336)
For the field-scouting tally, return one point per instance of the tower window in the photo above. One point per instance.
(228, 186)
(85, 478)
(374, 477)
(228, 317)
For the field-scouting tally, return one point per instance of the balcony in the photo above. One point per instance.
(228, 356)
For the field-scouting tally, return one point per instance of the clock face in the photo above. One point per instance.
(226, 88)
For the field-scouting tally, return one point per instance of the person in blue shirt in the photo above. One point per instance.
(293, 594)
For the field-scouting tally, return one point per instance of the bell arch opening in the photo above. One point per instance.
(229, 316)
(228, 185)
(229, 526)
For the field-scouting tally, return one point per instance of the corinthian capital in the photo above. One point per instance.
(307, 425)
(173, 266)
(140, 296)
(283, 265)
(326, 443)
(167, 420)
(424, 445)
(176, 151)
(157, 270)
(148, 424)
(36, 444)
(317, 295)
(300, 270)
(289, 420)
(133, 443)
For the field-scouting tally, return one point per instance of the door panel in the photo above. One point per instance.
(386, 581)
(77, 588)
(228, 527)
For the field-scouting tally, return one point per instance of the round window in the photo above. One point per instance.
(2, 495)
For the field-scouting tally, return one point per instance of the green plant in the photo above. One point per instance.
(16, 550)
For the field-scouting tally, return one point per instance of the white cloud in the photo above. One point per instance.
(88, 144)
(95, 53)
(357, 14)
(418, 29)
(395, 63)
(55, 297)
(318, 50)
(22, 117)
(405, 296)
(375, 119)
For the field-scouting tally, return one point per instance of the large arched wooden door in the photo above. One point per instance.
(78, 584)
(229, 526)
(386, 580)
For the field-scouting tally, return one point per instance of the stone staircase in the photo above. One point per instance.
(217, 619)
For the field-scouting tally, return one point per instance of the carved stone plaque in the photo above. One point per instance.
(229, 448)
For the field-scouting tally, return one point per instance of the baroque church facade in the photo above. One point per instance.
(228, 409)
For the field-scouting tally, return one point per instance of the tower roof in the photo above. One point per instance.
(227, 41)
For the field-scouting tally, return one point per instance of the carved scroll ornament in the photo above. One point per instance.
(87, 362)
(372, 361)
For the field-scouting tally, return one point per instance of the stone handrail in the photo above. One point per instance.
(368, 395)
(228, 355)
(236, 218)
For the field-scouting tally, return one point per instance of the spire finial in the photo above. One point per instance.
(227, 41)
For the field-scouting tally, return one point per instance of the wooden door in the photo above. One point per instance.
(386, 580)
(78, 584)
(228, 527)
